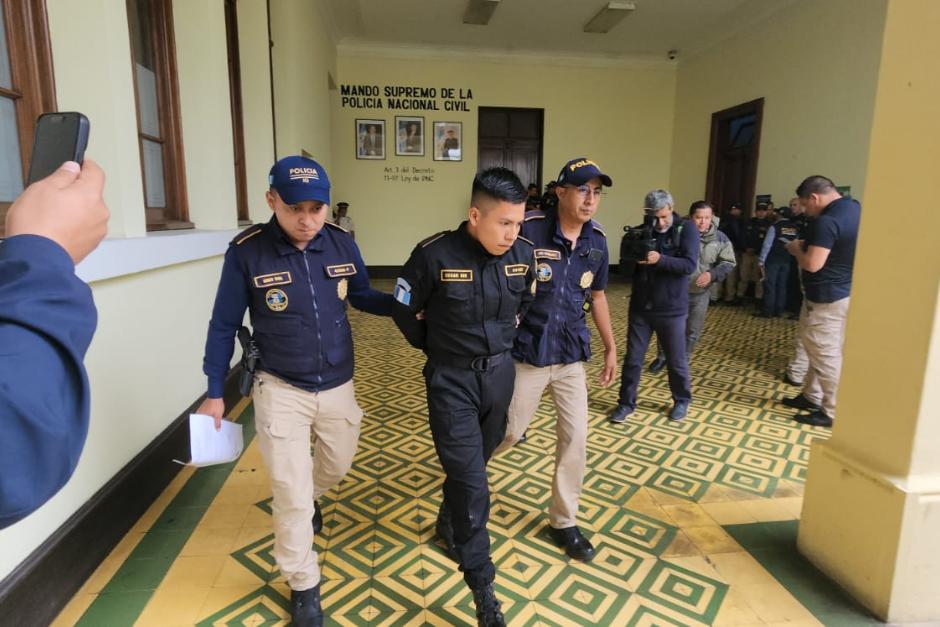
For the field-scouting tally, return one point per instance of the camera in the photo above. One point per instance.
(638, 241)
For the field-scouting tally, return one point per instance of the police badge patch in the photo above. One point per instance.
(543, 272)
(276, 300)
(586, 279)
(342, 288)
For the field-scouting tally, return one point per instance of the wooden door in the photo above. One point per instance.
(511, 138)
(733, 154)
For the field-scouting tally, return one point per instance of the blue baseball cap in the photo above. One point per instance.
(297, 179)
(581, 170)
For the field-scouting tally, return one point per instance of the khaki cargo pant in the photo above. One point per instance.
(568, 387)
(288, 421)
(749, 272)
(822, 331)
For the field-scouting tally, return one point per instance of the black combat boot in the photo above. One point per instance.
(488, 612)
(445, 531)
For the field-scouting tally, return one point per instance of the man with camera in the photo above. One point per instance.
(826, 258)
(667, 253)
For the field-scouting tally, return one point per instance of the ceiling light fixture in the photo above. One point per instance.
(609, 16)
(479, 11)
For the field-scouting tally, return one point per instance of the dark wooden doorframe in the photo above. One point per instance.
(720, 119)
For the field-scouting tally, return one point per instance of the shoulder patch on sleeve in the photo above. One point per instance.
(430, 240)
(526, 240)
(247, 234)
(535, 214)
(336, 226)
(598, 228)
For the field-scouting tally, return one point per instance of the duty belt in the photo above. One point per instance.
(479, 364)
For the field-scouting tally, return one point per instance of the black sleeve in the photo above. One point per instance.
(412, 290)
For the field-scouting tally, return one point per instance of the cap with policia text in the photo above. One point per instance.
(297, 179)
(581, 170)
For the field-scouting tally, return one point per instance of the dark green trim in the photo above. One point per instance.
(773, 544)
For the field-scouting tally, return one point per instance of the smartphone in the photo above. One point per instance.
(59, 137)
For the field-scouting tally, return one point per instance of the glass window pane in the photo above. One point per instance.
(153, 173)
(5, 78)
(11, 165)
(147, 101)
(140, 14)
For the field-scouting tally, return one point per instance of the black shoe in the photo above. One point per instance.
(317, 519)
(620, 413)
(488, 608)
(761, 314)
(524, 437)
(657, 364)
(575, 544)
(793, 316)
(305, 607)
(789, 380)
(815, 418)
(800, 402)
(679, 410)
(445, 532)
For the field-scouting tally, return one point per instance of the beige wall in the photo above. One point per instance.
(256, 103)
(303, 55)
(619, 117)
(816, 66)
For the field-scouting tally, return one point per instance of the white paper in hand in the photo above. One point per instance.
(209, 446)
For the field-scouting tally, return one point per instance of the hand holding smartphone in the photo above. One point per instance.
(59, 137)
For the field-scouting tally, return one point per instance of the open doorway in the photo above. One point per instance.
(511, 138)
(732, 156)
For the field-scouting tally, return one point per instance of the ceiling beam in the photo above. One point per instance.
(479, 11)
(609, 16)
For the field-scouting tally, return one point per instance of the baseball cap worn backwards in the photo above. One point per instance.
(581, 170)
(297, 179)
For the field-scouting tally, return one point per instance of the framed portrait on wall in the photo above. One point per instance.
(370, 139)
(448, 141)
(409, 136)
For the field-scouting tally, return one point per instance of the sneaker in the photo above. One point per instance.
(800, 402)
(488, 608)
(620, 413)
(573, 541)
(815, 418)
(305, 608)
(679, 410)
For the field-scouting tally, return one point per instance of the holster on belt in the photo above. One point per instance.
(250, 356)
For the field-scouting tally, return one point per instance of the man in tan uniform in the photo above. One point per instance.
(554, 340)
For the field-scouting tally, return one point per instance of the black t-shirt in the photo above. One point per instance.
(836, 228)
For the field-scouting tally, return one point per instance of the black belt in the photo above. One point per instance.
(479, 364)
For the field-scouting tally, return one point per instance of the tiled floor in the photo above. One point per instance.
(693, 522)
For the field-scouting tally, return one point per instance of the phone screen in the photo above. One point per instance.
(60, 137)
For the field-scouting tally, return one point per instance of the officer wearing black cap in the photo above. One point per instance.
(295, 275)
(470, 287)
(554, 340)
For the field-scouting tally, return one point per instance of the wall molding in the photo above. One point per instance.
(36, 591)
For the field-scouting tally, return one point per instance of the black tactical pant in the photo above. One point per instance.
(467, 413)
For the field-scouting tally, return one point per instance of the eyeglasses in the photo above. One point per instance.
(584, 191)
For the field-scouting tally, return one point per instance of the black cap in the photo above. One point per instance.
(581, 170)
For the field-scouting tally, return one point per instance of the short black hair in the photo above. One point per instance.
(533, 186)
(699, 204)
(498, 184)
(816, 184)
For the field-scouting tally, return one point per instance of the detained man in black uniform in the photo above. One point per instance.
(473, 285)
(660, 302)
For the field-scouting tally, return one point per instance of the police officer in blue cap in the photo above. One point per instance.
(295, 275)
(554, 340)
